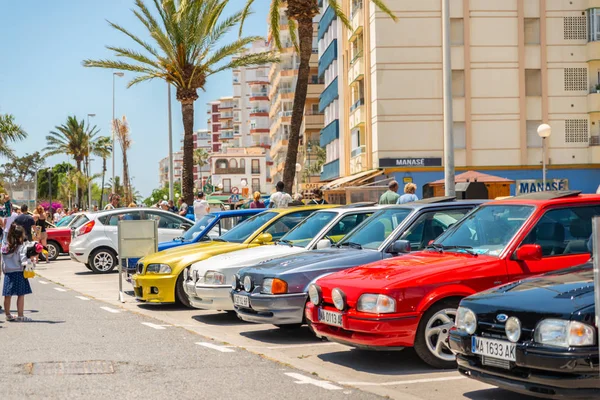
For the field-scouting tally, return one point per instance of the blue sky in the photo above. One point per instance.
(42, 80)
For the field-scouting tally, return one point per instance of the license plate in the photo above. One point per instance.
(241, 301)
(500, 349)
(330, 317)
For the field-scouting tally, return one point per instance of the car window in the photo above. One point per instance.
(243, 231)
(563, 231)
(64, 221)
(306, 230)
(488, 230)
(165, 221)
(284, 224)
(376, 229)
(430, 225)
(345, 225)
(80, 222)
(223, 226)
(198, 227)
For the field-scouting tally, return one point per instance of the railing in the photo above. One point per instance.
(287, 67)
(230, 171)
(259, 94)
(358, 151)
(259, 110)
(359, 103)
(356, 57)
(286, 90)
(255, 171)
(315, 51)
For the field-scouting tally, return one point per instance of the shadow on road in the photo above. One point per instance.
(496, 394)
(222, 318)
(391, 363)
(162, 307)
(88, 272)
(283, 336)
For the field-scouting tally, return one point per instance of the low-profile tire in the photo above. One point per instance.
(430, 340)
(180, 295)
(87, 265)
(103, 261)
(53, 250)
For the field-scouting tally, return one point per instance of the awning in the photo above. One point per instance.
(353, 180)
(474, 176)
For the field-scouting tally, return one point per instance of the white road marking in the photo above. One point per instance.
(408, 382)
(83, 298)
(151, 325)
(110, 310)
(60, 289)
(222, 349)
(305, 380)
(43, 282)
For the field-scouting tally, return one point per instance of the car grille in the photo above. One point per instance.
(139, 268)
(494, 362)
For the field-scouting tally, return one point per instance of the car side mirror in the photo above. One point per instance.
(400, 247)
(323, 244)
(264, 238)
(528, 252)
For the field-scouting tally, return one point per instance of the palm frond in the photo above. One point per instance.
(139, 41)
(293, 29)
(134, 55)
(248, 60)
(245, 14)
(274, 33)
(230, 50)
(120, 65)
(383, 7)
(337, 9)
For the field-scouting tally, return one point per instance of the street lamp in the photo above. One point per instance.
(298, 169)
(112, 123)
(89, 163)
(544, 131)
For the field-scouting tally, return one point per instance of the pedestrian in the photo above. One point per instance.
(297, 200)
(257, 203)
(390, 196)
(172, 207)
(39, 216)
(183, 207)
(280, 199)
(26, 221)
(164, 205)
(14, 260)
(95, 207)
(57, 215)
(8, 221)
(409, 194)
(201, 207)
(318, 198)
(113, 202)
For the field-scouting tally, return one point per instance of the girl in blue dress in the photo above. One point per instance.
(14, 260)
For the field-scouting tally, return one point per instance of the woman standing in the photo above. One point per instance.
(39, 216)
(257, 203)
(14, 260)
(318, 198)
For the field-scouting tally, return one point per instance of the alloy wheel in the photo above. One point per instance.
(436, 333)
(52, 252)
(103, 261)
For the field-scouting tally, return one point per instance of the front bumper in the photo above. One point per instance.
(539, 371)
(154, 288)
(373, 332)
(209, 297)
(276, 309)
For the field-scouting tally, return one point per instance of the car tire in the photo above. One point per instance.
(103, 261)
(180, 296)
(430, 340)
(87, 265)
(53, 250)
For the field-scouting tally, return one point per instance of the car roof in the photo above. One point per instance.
(550, 198)
(352, 210)
(417, 205)
(244, 211)
(290, 210)
(101, 213)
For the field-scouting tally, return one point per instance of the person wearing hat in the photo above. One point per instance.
(201, 207)
(164, 205)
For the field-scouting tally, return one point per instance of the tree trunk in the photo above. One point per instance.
(79, 188)
(126, 187)
(187, 110)
(101, 202)
(305, 35)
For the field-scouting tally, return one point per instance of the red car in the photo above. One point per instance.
(59, 238)
(411, 301)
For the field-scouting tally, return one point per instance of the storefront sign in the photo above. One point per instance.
(410, 162)
(537, 185)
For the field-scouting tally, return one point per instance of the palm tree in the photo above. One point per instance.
(72, 138)
(118, 188)
(201, 157)
(300, 14)
(9, 132)
(187, 35)
(102, 148)
(121, 129)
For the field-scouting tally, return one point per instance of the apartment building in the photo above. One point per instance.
(220, 123)
(163, 169)
(515, 65)
(283, 77)
(240, 170)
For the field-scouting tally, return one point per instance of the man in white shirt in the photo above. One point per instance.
(201, 207)
(280, 199)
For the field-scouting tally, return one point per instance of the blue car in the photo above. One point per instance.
(209, 227)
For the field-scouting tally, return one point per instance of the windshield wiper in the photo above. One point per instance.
(467, 249)
(351, 244)
(436, 246)
(285, 241)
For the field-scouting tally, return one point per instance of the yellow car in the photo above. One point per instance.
(159, 276)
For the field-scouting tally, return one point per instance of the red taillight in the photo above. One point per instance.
(87, 228)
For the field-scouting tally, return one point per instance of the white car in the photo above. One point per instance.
(95, 238)
(207, 283)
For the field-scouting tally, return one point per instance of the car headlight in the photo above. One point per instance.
(235, 282)
(314, 294)
(274, 286)
(214, 278)
(563, 333)
(466, 320)
(247, 284)
(339, 299)
(513, 329)
(158, 269)
(376, 304)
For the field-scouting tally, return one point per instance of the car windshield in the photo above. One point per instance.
(64, 221)
(487, 230)
(198, 227)
(240, 233)
(306, 230)
(376, 229)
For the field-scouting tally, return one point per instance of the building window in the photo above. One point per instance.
(460, 136)
(243, 163)
(256, 166)
(576, 79)
(575, 28)
(226, 185)
(458, 83)
(532, 31)
(222, 163)
(314, 108)
(256, 184)
(533, 82)
(533, 140)
(576, 131)
(594, 24)
(457, 32)
(233, 163)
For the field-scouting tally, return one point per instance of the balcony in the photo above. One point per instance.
(226, 116)
(314, 90)
(328, 95)
(330, 133)
(593, 101)
(259, 112)
(226, 135)
(356, 21)
(357, 69)
(328, 57)
(259, 96)
(313, 121)
(230, 171)
(358, 160)
(595, 140)
(325, 22)
(357, 114)
(331, 170)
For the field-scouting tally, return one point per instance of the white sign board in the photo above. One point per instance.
(537, 185)
(137, 238)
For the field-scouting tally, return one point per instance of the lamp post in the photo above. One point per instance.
(544, 131)
(308, 154)
(112, 123)
(171, 182)
(298, 169)
(447, 84)
(89, 164)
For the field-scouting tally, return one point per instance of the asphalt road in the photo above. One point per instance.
(154, 352)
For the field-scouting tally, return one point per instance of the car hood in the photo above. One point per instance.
(172, 244)
(182, 256)
(230, 263)
(564, 294)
